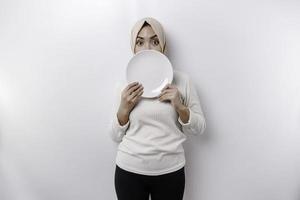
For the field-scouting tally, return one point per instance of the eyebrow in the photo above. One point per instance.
(150, 37)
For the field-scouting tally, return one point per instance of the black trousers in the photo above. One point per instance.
(132, 186)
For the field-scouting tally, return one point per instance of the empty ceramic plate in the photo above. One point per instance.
(152, 69)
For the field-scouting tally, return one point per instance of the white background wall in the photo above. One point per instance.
(59, 61)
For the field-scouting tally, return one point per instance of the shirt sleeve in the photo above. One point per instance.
(196, 123)
(115, 129)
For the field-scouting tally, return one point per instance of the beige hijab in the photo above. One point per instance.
(157, 28)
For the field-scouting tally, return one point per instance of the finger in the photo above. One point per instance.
(133, 88)
(169, 86)
(165, 97)
(166, 91)
(138, 96)
(136, 92)
(172, 86)
(166, 86)
(131, 84)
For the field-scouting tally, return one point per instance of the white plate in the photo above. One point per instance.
(152, 69)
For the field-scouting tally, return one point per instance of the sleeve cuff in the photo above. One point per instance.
(189, 121)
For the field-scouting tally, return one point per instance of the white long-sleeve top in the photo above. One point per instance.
(150, 143)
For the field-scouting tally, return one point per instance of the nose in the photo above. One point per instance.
(148, 45)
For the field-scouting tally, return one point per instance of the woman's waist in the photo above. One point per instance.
(151, 163)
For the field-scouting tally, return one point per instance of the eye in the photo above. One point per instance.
(155, 42)
(139, 42)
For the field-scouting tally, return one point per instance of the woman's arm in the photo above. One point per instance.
(118, 125)
(191, 116)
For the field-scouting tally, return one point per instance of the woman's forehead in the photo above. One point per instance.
(146, 32)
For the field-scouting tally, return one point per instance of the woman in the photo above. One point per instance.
(150, 132)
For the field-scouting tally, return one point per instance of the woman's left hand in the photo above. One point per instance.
(171, 93)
